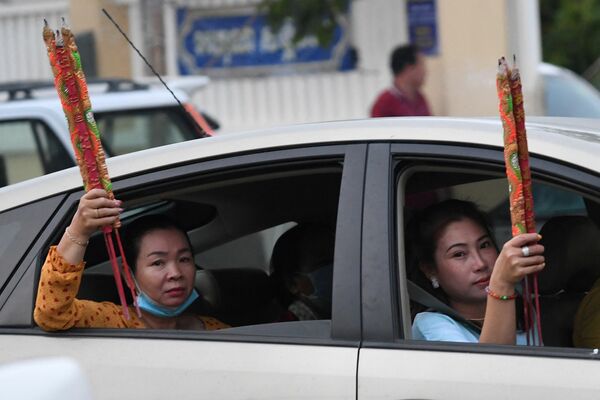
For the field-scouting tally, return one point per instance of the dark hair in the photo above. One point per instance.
(135, 231)
(302, 249)
(425, 229)
(403, 56)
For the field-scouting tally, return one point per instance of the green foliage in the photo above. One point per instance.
(571, 32)
(309, 17)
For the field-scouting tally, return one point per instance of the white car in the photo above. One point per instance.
(236, 193)
(57, 378)
(131, 116)
(566, 94)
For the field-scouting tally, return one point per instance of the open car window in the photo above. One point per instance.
(234, 220)
(563, 214)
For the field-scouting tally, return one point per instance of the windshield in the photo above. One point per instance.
(570, 96)
(138, 129)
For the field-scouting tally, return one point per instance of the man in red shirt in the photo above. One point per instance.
(404, 98)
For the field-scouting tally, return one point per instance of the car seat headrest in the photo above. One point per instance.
(208, 288)
(572, 252)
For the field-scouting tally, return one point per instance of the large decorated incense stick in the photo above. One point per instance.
(511, 151)
(518, 173)
(71, 86)
(523, 151)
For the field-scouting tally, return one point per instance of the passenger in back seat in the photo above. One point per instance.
(302, 266)
(586, 330)
(161, 257)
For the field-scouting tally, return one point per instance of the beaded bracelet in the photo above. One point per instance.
(497, 296)
(74, 239)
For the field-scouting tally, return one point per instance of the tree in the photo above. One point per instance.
(309, 17)
(571, 32)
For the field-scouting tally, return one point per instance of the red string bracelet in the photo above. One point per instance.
(497, 296)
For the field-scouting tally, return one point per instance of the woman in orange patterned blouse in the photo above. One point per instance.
(160, 255)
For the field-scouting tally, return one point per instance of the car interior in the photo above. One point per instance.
(233, 220)
(566, 218)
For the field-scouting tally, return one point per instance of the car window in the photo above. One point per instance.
(133, 130)
(234, 220)
(560, 215)
(491, 196)
(29, 149)
(18, 229)
(253, 250)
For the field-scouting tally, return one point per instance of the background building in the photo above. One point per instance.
(463, 40)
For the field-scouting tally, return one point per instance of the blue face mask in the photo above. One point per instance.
(147, 304)
(322, 281)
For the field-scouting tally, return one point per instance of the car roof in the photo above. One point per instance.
(551, 69)
(575, 141)
(45, 104)
(103, 102)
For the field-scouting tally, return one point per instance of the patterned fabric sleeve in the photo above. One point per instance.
(213, 324)
(57, 308)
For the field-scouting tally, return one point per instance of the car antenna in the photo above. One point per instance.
(198, 118)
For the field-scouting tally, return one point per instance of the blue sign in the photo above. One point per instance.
(422, 25)
(243, 44)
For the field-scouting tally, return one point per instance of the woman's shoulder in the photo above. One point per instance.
(212, 324)
(433, 316)
(440, 327)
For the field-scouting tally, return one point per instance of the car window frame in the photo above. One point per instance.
(345, 323)
(39, 127)
(383, 273)
(13, 313)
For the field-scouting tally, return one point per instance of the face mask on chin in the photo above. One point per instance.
(150, 306)
(322, 281)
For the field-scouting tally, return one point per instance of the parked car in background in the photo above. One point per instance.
(34, 137)
(566, 94)
(235, 194)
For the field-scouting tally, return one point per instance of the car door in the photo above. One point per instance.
(404, 177)
(300, 359)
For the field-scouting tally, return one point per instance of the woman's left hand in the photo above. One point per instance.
(520, 256)
(95, 210)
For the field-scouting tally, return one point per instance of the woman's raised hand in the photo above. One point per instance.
(95, 210)
(520, 256)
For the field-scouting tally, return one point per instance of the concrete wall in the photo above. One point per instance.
(113, 55)
(472, 37)
(473, 34)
